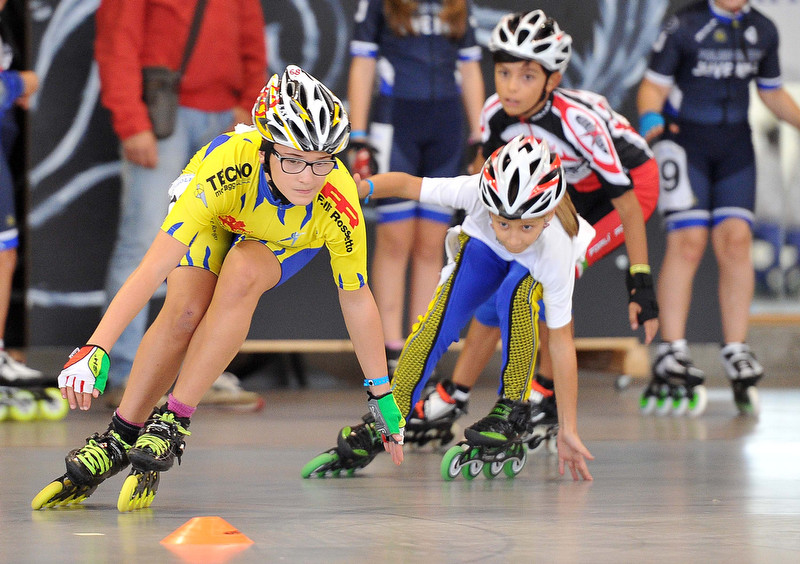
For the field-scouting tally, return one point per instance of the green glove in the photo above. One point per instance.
(388, 420)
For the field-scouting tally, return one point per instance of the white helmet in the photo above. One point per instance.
(298, 111)
(522, 180)
(534, 37)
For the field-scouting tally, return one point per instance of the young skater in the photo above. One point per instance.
(253, 207)
(612, 178)
(522, 238)
(428, 63)
(693, 105)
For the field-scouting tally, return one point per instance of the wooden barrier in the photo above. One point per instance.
(620, 355)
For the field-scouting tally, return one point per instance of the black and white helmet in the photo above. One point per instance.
(298, 111)
(522, 180)
(534, 37)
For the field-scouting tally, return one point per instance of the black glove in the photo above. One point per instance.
(471, 152)
(360, 158)
(641, 291)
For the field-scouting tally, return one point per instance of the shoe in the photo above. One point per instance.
(227, 391)
(103, 456)
(15, 373)
(160, 442)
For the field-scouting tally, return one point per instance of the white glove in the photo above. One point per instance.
(86, 369)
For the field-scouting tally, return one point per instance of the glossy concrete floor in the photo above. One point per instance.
(721, 488)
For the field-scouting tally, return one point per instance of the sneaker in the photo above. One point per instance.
(103, 456)
(16, 373)
(362, 441)
(160, 441)
(507, 420)
(227, 391)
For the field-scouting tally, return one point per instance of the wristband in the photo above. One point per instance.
(639, 269)
(648, 121)
(371, 189)
(375, 382)
(358, 134)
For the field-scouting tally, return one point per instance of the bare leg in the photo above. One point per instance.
(427, 259)
(249, 270)
(8, 263)
(732, 241)
(479, 346)
(683, 255)
(388, 274)
(164, 345)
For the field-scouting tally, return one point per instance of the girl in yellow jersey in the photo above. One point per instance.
(250, 209)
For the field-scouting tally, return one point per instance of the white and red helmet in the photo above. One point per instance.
(535, 37)
(297, 110)
(522, 180)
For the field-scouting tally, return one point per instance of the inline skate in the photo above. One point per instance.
(744, 372)
(160, 442)
(433, 417)
(103, 456)
(493, 444)
(544, 416)
(26, 394)
(677, 384)
(355, 448)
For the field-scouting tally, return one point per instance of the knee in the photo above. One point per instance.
(689, 247)
(184, 316)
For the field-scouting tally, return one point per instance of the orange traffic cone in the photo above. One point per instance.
(206, 540)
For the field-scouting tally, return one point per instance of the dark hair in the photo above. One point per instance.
(400, 12)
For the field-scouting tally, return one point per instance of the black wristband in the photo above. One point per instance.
(641, 291)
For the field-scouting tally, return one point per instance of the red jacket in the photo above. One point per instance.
(227, 68)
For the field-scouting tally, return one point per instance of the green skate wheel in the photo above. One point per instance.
(53, 407)
(319, 465)
(492, 470)
(515, 465)
(473, 465)
(451, 463)
(24, 407)
(750, 405)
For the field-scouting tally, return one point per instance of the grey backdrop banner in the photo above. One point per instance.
(74, 174)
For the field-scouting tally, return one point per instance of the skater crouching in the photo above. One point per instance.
(251, 208)
(522, 238)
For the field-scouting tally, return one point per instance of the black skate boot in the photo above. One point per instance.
(87, 467)
(160, 442)
(677, 384)
(507, 421)
(494, 444)
(431, 420)
(544, 415)
(744, 372)
(355, 448)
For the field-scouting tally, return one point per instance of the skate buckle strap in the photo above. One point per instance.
(376, 381)
(537, 387)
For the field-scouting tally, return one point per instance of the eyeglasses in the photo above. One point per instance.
(293, 165)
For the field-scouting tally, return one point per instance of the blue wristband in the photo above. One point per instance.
(358, 134)
(376, 382)
(371, 189)
(648, 121)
